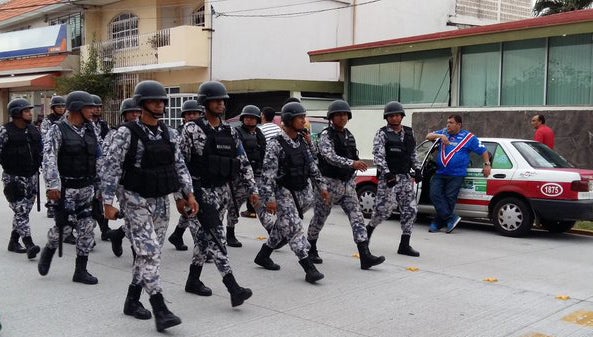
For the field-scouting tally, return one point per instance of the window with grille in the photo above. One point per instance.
(197, 17)
(124, 31)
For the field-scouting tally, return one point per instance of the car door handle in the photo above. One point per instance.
(500, 175)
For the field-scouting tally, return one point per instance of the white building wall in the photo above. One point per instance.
(393, 19)
(276, 47)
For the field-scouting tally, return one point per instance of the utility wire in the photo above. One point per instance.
(294, 13)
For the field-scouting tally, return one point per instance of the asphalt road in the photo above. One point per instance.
(471, 282)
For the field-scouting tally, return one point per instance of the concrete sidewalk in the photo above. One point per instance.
(446, 296)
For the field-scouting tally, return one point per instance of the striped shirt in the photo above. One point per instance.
(269, 130)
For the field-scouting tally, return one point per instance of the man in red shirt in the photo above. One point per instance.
(543, 133)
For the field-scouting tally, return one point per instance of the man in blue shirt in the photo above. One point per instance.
(452, 162)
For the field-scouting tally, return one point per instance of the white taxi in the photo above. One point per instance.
(530, 183)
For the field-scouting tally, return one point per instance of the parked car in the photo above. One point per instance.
(530, 183)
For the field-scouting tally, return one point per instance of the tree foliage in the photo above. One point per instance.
(95, 77)
(549, 7)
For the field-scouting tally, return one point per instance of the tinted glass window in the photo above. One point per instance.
(539, 155)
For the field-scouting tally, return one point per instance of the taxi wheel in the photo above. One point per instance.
(557, 226)
(512, 217)
(366, 198)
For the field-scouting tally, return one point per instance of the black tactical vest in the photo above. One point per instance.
(345, 146)
(294, 169)
(255, 147)
(21, 154)
(157, 175)
(218, 163)
(77, 156)
(54, 117)
(399, 154)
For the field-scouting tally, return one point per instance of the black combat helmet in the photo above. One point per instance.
(291, 110)
(97, 100)
(16, 106)
(76, 100)
(57, 101)
(128, 105)
(393, 107)
(338, 106)
(250, 110)
(211, 90)
(191, 106)
(149, 89)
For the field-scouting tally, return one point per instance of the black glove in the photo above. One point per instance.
(390, 179)
(417, 176)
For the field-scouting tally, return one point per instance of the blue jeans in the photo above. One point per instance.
(443, 193)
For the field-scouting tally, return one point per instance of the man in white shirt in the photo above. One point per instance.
(268, 127)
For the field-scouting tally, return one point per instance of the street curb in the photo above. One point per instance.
(581, 232)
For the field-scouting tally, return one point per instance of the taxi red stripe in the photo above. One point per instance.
(473, 202)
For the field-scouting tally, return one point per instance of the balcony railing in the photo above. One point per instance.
(177, 47)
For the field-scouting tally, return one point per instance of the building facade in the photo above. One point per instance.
(257, 48)
(496, 76)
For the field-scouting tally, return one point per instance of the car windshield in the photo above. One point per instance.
(539, 155)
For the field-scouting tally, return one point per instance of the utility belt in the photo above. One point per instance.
(76, 183)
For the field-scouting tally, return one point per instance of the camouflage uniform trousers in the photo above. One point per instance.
(241, 195)
(22, 207)
(387, 199)
(78, 207)
(218, 198)
(288, 224)
(147, 220)
(183, 222)
(343, 193)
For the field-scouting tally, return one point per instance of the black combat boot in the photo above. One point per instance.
(263, 258)
(313, 254)
(282, 243)
(231, 239)
(163, 318)
(14, 245)
(81, 275)
(116, 236)
(133, 306)
(405, 248)
(32, 249)
(312, 274)
(45, 260)
(104, 227)
(367, 260)
(369, 231)
(176, 238)
(193, 284)
(238, 293)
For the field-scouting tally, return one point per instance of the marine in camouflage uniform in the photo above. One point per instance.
(338, 162)
(58, 108)
(214, 155)
(254, 144)
(130, 112)
(70, 164)
(394, 150)
(288, 166)
(20, 156)
(190, 111)
(102, 130)
(144, 157)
